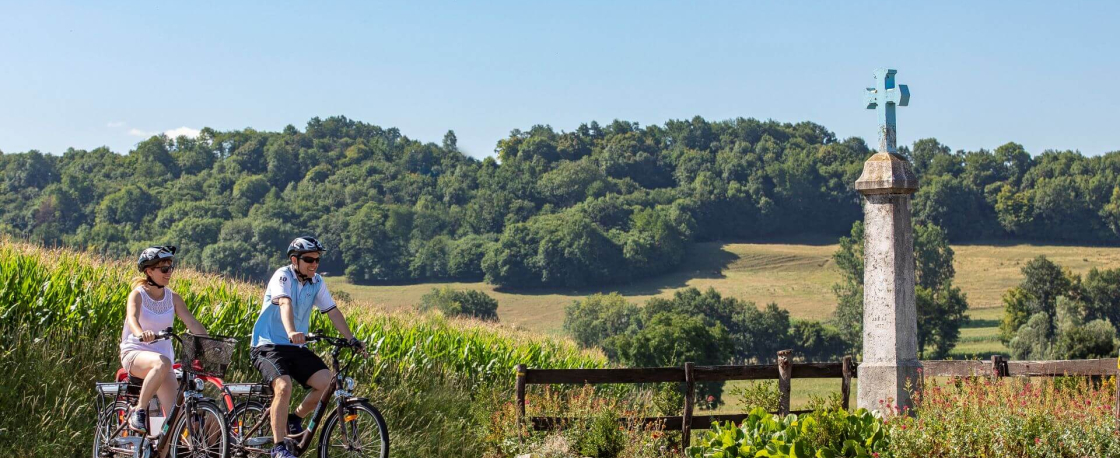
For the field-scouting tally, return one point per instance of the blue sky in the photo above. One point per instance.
(980, 73)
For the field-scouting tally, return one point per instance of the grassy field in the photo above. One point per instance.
(796, 274)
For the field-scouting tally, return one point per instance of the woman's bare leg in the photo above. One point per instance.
(155, 369)
(167, 391)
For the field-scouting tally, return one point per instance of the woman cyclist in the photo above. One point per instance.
(152, 307)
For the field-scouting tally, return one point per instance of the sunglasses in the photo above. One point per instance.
(165, 269)
(309, 259)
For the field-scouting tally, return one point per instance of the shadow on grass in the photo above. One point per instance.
(1035, 242)
(980, 323)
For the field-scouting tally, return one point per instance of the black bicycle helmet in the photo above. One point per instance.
(153, 255)
(305, 244)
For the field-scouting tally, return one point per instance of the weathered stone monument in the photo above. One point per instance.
(890, 326)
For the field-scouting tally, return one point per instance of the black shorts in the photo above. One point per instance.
(275, 361)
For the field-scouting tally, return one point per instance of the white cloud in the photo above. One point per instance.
(116, 124)
(182, 131)
(171, 133)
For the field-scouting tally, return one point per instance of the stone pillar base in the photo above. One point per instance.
(875, 379)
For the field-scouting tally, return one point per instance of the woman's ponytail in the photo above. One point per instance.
(138, 281)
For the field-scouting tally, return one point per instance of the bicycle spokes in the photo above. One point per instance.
(357, 435)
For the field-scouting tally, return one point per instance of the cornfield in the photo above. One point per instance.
(62, 310)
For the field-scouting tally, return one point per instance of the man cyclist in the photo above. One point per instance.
(279, 338)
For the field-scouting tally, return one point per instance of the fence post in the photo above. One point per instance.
(785, 372)
(520, 397)
(846, 383)
(689, 400)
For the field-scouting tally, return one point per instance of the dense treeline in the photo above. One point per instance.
(600, 204)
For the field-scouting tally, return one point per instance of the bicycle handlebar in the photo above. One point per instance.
(334, 341)
(163, 335)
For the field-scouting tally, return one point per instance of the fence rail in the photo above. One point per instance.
(784, 371)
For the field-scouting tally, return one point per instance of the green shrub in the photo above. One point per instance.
(762, 394)
(469, 303)
(824, 433)
(590, 428)
(602, 438)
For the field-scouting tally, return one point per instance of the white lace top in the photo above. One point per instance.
(155, 316)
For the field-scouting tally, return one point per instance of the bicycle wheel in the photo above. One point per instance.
(358, 431)
(112, 416)
(202, 433)
(243, 418)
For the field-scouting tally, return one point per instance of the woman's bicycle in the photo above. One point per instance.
(354, 428)
(194, 427)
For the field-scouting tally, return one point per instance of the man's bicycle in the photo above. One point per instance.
(354, 428)
(194, 427)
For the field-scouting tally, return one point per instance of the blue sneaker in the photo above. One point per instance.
(280, 451)
(138, 420)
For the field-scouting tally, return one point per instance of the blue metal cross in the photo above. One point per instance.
(885, 96)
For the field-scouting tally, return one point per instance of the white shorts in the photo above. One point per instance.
(128, 358)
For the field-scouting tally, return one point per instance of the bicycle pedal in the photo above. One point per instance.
(131, 441)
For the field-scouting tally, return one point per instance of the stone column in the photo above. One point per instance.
(890, 326)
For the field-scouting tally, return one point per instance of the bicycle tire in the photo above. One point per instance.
(360, 410)
(107, 420)
(215, 441)
(245, 415)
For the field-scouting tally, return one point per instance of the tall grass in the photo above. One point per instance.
(61, 312)
(1012, 417)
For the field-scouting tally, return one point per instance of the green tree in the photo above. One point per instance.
(153, 159)
(371, 253)
(29, 170)
(924, 153)
(1043, 283)
(192, 156)
(193, 234)
(571, 182)
(1015, 210)
(467, 303)
(1032, 340)
(669, 339)
(592, 320)
(283, 165)
(132, 204)
(1101, 290)
(464, 261)
(251, 188)
(235, 259)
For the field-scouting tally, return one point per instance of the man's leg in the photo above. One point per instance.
(281, 395)
(318, 383)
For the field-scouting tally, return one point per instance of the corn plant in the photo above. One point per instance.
(61, 312)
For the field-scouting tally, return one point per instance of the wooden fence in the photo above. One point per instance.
(784, 371)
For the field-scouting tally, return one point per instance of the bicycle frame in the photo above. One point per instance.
(217, 382)
(303, 439)
(186, 399)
